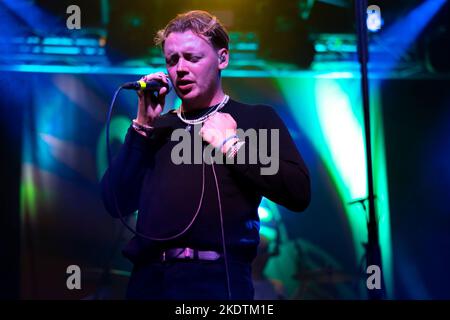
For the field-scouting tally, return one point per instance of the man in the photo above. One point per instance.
(198, 225)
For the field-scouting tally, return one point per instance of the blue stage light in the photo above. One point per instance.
(374, 20)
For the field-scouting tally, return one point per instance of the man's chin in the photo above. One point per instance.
(187, 96)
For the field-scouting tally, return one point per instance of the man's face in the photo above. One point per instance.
(193, 65)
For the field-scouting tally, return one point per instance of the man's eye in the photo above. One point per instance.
(171, 61)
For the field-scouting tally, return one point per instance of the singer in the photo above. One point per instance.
(198, 225)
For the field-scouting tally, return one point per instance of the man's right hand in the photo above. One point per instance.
(148, 110)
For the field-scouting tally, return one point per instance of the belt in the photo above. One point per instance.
(189, 254)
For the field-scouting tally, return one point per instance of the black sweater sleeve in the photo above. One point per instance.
(289, 186)
(122, 181)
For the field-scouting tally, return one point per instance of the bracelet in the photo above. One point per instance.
(228, 139)
(234, 149)
(141, 127)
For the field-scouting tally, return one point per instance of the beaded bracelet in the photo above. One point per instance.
(234, 149)
(228, 139)
(141, 127)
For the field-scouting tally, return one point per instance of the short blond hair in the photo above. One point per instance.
(199, 22)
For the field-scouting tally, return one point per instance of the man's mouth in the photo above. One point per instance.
(184, 85)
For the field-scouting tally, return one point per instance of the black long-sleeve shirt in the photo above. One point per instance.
(167, 195)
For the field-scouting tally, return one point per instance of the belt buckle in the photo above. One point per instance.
(188, 253)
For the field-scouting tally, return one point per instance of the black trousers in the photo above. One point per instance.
(190, 280)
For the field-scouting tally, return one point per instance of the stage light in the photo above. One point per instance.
(400, 36)
(435, 44)
(374, 20)
(264, 214)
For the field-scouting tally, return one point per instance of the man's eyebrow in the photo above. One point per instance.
(190, 54)
(170, 54)
(184, 53)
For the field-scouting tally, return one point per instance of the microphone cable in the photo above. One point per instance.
(135, 232)
(116, 205)
(224, 247)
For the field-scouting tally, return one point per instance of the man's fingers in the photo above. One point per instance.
(211, 135)
(155, 76)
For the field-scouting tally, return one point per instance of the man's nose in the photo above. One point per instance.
(181, 66)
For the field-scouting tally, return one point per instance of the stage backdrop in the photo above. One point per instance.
(62, 149)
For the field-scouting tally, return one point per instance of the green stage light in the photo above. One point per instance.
(118, 128)
(331, 118)
(264, 214)
(28, 193)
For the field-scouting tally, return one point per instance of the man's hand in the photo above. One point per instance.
(217, 129)
(148, 110)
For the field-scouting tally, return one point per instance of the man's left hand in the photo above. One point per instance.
(217, 129)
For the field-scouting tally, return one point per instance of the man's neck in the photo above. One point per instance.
(204, 103)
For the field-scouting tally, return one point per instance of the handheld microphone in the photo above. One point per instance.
(152, 85)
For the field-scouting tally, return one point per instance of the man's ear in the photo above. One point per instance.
(223, 57)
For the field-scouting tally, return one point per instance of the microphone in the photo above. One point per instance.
(152, 85)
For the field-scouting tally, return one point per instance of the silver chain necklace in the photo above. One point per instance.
(203, 118)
